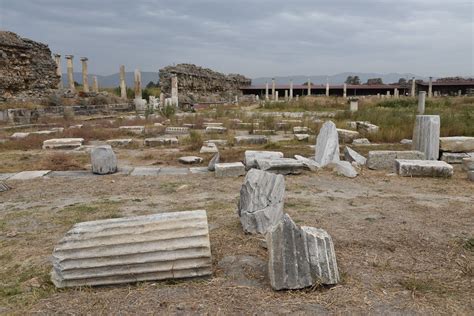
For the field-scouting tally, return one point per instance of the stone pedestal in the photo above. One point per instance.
(426, 135)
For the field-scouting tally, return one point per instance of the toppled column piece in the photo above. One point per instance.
(261, 201)
(103, 160)
(251, 157)
(142, 248)
(230, 169)
(327, 145)
(282, 165)
(352, 155)
(423, 168)
(426, 135)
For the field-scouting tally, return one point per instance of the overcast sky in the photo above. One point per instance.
(255, 37)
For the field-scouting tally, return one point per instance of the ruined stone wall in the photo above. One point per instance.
(202, 84)
(27, 70)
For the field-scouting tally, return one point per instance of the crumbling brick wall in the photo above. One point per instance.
(27, 70)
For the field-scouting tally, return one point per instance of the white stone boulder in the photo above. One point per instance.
(458, 144)
(344, 168)
(327, 145)
(189, 160)
(103, 160)
(385, 159)
(353, 156)
(251, 157)
(230, 169)
(63, 143)
(426, 135)
(423, 168)
(302, 137)
(361, 141)
(261, 201)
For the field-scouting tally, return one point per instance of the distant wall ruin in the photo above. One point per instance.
(27, 70)
(201, 84)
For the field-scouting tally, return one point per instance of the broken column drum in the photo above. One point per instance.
(426, 135)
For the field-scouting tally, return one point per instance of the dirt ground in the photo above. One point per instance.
(403, 245)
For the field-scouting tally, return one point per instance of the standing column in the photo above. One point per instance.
(95, 85)
(291, 89)
(70, 73)
(138, 84)
(430, 88)
(421, 102)
(266, 91)
(123, 87)
(85, 81)
(426, 135)
(57, 59)
(388, 94)
(286, 95)
(344, 91)
(396, 93)
(273, 89)
(162, 99)
(327, 89)
(174, 90)
(413, 87)
(309, 86)
(276, 96)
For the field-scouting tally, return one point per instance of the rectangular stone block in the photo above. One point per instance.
(251, 140)
(63, 143)
(177, 130)
(145, 171)
(251, 157)
(423, 168)
(455, 158)
(119, 142)
(283, 166)
(347, 136)
(133, 129)
(385, 159)
(28, 175)
(160, 141)
(216, 129)
(459, 144)
(133, 249)
(231, 169)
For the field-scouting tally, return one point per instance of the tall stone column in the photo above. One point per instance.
(291, 89)
(266, 91)
(327, 89)
(70, 73)
(57, 59)
(273, 89)
(95, 85)
(174, 90)
(138, 84)
(426, 135)
(413, 87)
(396, 93)
(123, 87)
(286, 95)
(309, 86)
(85, 80)
(276, 96)
(421, 102)
(344, 91)
(430, 88)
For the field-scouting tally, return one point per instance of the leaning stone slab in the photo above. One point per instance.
(327, 145)
(261, 201)
(309, 163)
(119, 142)
(63, 143)
(103, 160)
(160, 141)
(426, 135)
(347, 136)
(423, 168)
(454, 158)
(353, 156)
(212, 163)
(283, 166)
(385, 159)
(345, 168)
(251, 157)
(133, 249)
(251, 139)
(231, 169)
(459, 144)
(28, 175)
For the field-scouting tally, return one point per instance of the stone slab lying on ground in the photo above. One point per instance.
(385, 159)
(28, 175)
(190, 160)
(344, 168)
(216, 129)
(160, 141)
(309, 163)
(282, 165)
(468, 163)
(423, 168)
(353, 156)
(301, 137)
(172, 171)
(213, 124)
(133, 129)
(457, 144)
(406, 141)
(327, 145)
(70, 174)
(5, 176)
(367, 127)
(63, 143)
(197, 170)
(347, 136)
(133, 249)
(212, 163)
(261, 201)
(145, 171)
(119, 142)
(455, 158)
(300, 257)
(230, 169)
(217, 142)
(251, 157)
(426, 135)
(361, 141)
(19, 135)
(103, 160)
(251, 140)
(209, 148)
(176, 130)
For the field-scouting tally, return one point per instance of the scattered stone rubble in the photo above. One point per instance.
(385, 159)
(423, 168)
(251, 157)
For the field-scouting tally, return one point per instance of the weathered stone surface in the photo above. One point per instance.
(209, 148)
(190, 160)
(19, 135)
(212, 163)
(347, 136)
(261, 201)
(426, 135)
(302, 137)
(406, 141)
(4, 187)
(160, 141)
(133, 129)
(230, 169)
(300, 257)
(142, 248)
(327, 145)
(198, 170)
(103, 160)
(281, 165)
(300, 130)
(459, 144)
(145, 171)
(27, 69)
(367, 127)
(28, 175)
(251, 139)
(213, 124)
(216, 129)
(454, 158)
(119, 142)
(361, 141)
(174, 171)
(63, 143)
(251, 157)
(468, 163)
(344, 168)
(309, 163)
(423, 168)
(217, 142)
(352, 155)
(385, 159)
(470, 175)
(177, 130)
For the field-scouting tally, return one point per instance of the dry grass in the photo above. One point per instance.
(60, 161)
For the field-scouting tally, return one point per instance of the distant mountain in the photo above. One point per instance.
(338, 78)
(112, 81)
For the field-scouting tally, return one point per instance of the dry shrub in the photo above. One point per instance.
(60, 161)
(93, 133)
(193, 141)
(27, 143)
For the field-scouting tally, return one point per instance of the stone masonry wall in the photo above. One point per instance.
(201, 84)
(27, 70)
